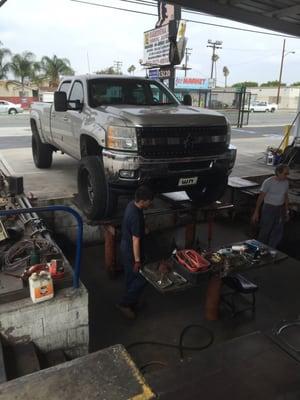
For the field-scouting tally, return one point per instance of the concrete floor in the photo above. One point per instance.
(164, 316)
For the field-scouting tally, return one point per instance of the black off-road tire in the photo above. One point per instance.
(208, 192)
(96, 199)
(41, 152)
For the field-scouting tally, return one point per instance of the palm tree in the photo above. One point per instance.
(4, 66)
(225, 73)
(24, 66)
(131, 69)
(54, 67)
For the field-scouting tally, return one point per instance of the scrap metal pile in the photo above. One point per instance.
(26, 247)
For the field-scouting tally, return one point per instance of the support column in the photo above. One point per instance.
(110, 248)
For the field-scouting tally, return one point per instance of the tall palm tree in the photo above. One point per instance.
(131, 69)
(24, 67)
(225, 73)
(54, 67)
(4, 66)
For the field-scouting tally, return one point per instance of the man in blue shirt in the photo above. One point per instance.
(275, 202)
(132, 249)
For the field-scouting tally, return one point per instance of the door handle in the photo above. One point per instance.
(66, 119)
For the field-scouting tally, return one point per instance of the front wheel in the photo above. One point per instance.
(95, 197)
(209, 191)
(41, 152)
(12, 111)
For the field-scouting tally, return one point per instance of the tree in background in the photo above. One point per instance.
(53, 68)
(225, 73)
(108, 71)
(245, 84)
(272, 84)
(295, 84)
(4, 66)
(24, 67)
(131, 69)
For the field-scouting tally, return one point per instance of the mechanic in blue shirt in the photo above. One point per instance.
(132, 249)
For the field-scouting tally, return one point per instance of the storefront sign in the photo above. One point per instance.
(157, 46)
(153, 73)
(166, 73)
(191, 83)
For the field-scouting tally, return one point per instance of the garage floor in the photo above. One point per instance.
(164, 316)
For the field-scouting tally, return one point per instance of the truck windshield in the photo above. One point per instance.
(105, 91)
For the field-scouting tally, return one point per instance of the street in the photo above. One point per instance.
(15, 130)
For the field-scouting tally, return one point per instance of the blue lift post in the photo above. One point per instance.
(18, 211)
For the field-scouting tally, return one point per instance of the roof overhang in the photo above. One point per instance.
(280, 16)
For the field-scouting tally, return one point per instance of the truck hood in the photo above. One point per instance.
(169, 115)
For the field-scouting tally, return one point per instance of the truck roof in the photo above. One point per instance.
(104, 76)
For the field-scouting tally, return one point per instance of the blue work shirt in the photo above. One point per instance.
(133, 225)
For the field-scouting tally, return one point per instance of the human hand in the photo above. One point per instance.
(137, 266)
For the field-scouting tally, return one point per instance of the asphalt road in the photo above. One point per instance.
(260, 125)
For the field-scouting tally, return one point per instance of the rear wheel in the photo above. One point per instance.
(41, 152)
(96, 198)
(12, 111)
(209, 191)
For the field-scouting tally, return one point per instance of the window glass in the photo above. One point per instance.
(128, 92)
(65, 86)
(76, 94)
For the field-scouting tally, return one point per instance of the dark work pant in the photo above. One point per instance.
(271, 225)
(134, 282)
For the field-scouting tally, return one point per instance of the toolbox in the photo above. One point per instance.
(192, 277)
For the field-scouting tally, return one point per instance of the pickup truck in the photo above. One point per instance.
(261, 106)
(128, 131)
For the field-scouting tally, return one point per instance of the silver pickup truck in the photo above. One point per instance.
(126, 131)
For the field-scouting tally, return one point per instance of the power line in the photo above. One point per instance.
(187, 20)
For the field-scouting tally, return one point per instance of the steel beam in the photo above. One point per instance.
(238, 14)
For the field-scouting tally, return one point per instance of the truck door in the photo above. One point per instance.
(60, 122)
(76, 116)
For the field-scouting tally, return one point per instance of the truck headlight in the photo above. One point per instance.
(121, 138)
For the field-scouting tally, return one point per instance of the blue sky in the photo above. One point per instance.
(72, 30)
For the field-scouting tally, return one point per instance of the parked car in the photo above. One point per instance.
(7, 107)
(261, 106)
(126, 131)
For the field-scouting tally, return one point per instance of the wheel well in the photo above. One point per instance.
(89, 146)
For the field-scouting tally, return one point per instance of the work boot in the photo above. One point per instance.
(126, 311)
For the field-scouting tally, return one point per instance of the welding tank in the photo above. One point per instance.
(41, 286)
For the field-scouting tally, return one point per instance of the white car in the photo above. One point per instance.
(7, 107)
(261, 106)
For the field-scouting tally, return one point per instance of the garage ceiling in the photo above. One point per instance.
(277, 15)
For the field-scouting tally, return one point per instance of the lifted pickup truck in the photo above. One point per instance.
(128, 131)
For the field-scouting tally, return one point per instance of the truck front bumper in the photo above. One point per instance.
(126, 171)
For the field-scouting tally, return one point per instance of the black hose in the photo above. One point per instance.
(180, 345)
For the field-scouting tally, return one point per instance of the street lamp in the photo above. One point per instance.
(284, 53)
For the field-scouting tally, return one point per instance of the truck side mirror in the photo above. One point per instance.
(60, 101)
(187, 100)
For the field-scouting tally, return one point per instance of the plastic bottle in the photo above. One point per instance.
(41, 286)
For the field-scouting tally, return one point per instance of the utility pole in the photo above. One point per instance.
(284, 53)
(187, 54)
(214, 45)
(118, 66)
